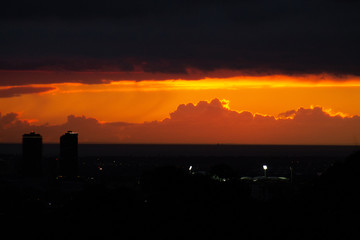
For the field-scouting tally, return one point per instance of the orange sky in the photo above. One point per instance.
(145, 101)
(133, 101)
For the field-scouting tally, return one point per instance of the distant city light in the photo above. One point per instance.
(265, 168)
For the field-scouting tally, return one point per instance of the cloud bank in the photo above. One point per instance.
(205, 122)
(17, 91)
(255, 37)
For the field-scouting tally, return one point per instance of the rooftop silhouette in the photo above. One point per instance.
(32, 154)
(69, 154)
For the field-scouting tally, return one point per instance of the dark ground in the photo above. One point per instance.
(163, 199)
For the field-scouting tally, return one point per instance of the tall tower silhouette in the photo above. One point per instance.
(32, 155)
(69, 154)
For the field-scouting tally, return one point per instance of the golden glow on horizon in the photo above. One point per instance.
(215, 83)
(332, 113)
(232, 83)
(139, 101)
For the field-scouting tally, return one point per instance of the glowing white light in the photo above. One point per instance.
(265, 167)
(190, 168)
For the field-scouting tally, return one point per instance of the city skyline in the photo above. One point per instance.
(33, 164)
(182, 119)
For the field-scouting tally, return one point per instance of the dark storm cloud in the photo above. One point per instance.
(18, 91)
(258, 37)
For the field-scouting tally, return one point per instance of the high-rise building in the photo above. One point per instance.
(69, 154)
(32, 154)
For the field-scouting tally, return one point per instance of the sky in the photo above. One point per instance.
(239, 72)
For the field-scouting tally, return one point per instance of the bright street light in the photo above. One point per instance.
(265, 168)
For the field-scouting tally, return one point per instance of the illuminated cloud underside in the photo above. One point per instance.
(148, 100)
(206, 122)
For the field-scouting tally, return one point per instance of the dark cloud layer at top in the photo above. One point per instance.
(17, 91)
(259, 37)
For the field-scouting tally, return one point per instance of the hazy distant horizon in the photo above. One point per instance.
(128, 149)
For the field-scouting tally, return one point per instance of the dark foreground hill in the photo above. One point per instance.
(171, 202)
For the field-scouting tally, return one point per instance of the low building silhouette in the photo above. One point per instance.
(69, 154)
(31, 155)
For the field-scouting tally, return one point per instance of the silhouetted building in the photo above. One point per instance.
(32, 154)
(69, 154)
